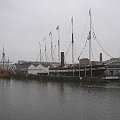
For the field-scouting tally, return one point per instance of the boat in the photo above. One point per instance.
(84, 72)
(111, 78)
(88, 71)
(5, 72)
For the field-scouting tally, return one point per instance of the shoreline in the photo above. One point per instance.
(64, 78)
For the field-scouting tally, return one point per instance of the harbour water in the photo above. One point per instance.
(52, 100)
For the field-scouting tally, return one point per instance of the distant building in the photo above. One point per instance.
(39, 69)
(28, 67)
(113, 67)
(84, 61)
(22, 68)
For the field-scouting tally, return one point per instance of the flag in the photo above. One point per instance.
(89, 36)
(39, 44)
(57, 27)
(72, 20)
(50, 33)
(94, 36)
(44, 39)
(90, 11)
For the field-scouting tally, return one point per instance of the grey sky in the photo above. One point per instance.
(24, 23)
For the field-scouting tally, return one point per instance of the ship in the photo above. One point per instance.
(5, 70)
(5, 73)
(90, 69)
(94, 71)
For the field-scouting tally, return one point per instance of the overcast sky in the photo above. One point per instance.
(24, 23)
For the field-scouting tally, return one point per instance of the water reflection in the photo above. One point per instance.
(58, 100)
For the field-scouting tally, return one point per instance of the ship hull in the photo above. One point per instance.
(83, 72)
(5, 74)
(95, 73)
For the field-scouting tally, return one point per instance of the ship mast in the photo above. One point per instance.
(72, 46)
(40, 51)
(90, 37)
(45, 50)
(58, 43)
(90, 40)
(50, 34)
(72, 43)
(3, 55)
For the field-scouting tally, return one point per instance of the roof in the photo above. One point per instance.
(27, 64)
